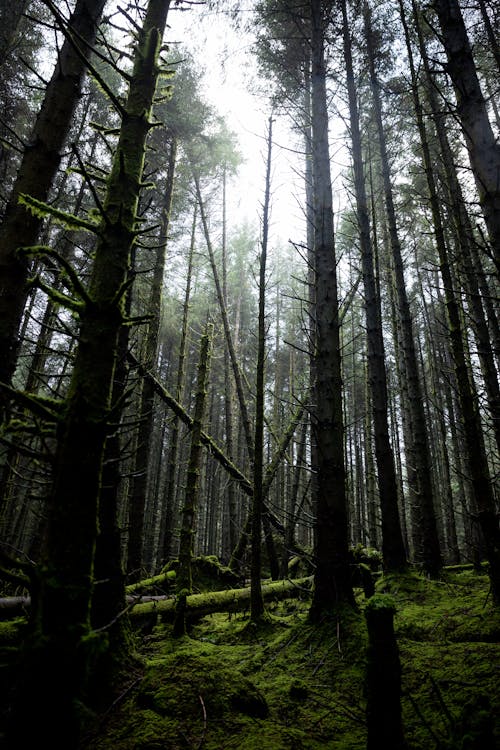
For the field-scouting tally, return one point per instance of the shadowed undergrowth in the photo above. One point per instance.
(289, 685)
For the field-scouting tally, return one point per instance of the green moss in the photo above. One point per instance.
(10, 631)
(293, 685)
(208, 574)
(381, 602)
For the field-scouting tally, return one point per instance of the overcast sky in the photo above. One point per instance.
(230, 73)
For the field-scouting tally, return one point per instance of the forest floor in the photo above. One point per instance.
(289, 685)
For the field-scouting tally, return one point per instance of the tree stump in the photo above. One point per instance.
(383, 677)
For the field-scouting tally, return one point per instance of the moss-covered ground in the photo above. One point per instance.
(289, 685)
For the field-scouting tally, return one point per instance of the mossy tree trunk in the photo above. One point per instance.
(256, 600)
(61, 649)
(332, 580)
(383, 677)
(109, 594)
(36, 174)
(184, 579)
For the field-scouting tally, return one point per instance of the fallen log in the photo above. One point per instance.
(159, 580)
(198, 605)
(14, 606)
(233, 600)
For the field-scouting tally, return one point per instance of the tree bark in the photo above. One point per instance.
(61, 644)
(428, 553)
(332, 580)
(40, 162)
(482, 145)
(393, 551)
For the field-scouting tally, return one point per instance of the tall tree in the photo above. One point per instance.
(168, 512)
(394, 556)
(61, 640)
(482, 144)
(184, 578)
(137, 499)
(428, 552)
(20, 227)
(474, 438)
(332, 578)
(256, 599)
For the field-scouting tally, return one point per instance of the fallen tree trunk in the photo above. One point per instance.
(219, 455)
(14, 606)
(162, 579)
(198, 605)
(233, 600)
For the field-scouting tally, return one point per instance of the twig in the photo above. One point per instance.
(322, 660)
(202, 738)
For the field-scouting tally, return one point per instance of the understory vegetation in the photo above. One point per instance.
(289, 684)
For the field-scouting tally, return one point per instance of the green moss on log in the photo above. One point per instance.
(234, 600)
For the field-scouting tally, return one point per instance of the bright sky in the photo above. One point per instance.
(230, 73)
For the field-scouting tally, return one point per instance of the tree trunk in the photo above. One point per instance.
(332, 580)
(227, 331)
(184, 579)
(428, 554)
(465, 240)
(256, 600)
(474, 438)
(137, 498)
(230, 513)
(40, 162)
(165, 541)
(234, 600)
(482, 145)
(61, 644)
(383, 677)
(393, 551)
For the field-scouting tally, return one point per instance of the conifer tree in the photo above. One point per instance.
(394, 555)
(21, 226)
(482, 145)
(332, 580)
(61, 642)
